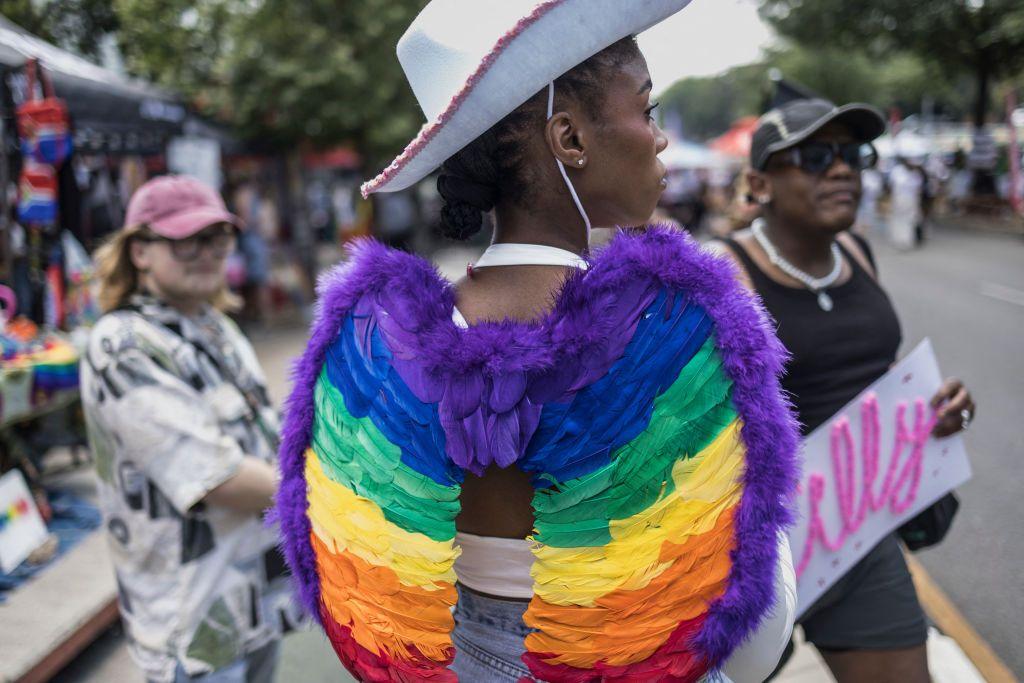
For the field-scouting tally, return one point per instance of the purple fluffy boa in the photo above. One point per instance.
(752, 357)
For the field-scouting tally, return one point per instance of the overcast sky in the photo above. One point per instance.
(706, 38)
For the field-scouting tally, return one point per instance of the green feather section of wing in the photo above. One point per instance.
(353, 452)
(686, 418)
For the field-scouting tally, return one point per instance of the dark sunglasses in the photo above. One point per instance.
(817, 157)
(219, 242)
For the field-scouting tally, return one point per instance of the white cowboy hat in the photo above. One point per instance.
(472, 62)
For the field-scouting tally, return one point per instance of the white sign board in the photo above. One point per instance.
(21, 527)
(868, 470)
(196, 157)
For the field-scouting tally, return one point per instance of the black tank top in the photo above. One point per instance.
(836, 354)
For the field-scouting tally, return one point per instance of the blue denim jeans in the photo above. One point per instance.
(488, 639)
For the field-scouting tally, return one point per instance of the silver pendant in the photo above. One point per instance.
(824, 301)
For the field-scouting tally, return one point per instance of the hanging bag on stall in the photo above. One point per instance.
(43, 124)
(37, 194)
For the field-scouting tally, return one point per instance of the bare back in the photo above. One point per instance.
(500, 503)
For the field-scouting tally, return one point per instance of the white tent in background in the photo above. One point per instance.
(684, 155)
(905, 144)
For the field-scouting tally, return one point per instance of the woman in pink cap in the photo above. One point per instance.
(184, 438)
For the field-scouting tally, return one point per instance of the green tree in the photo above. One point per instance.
(180, 44)
(283, 72)
(707, 106)
(982, 37)
(76, 25)
(903, 81)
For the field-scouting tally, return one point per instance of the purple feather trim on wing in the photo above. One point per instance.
(753, 359)
(596, 310)
(371, 267)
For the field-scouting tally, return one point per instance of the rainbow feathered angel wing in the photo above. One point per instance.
(646, 406)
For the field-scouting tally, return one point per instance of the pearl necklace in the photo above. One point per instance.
(816, 285)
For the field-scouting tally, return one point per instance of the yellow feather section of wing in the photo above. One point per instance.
(705, 486)
(346, 521)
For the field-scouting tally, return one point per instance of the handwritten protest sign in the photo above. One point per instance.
(870, 468)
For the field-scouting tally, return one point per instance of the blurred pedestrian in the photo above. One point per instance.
(905, 210)
(927, 200)
(872, 187)
(395, 219)
(184, 439)
(960, 183)
(819, 283)
(249, 203)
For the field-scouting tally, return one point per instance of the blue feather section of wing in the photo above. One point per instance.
(578, 437)
(359, 365)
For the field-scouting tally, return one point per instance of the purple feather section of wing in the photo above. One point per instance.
(507, 390)
(463, 395)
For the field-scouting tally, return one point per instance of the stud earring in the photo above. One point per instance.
(580, 162)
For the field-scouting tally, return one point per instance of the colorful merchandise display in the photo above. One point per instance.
(13, 511)
(37, 194)
(645, 405)
(78, 304)
(37, 371)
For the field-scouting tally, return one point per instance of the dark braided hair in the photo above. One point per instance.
(494, 167)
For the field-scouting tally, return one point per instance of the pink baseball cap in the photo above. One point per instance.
(177, 206)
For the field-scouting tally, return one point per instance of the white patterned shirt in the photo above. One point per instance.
(172, 405)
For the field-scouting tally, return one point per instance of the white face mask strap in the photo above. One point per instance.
(561, 166)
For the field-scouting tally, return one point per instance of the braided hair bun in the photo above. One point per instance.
(465, 202)
(497, 166)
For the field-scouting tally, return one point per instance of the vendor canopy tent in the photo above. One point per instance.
(905, 144)
(109, 113)
(736, 141)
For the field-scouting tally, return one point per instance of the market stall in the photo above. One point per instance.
(735, 142)
(75, 141)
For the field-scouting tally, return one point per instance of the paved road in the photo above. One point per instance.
(966, 292)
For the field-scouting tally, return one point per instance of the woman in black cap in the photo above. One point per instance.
(819, 283)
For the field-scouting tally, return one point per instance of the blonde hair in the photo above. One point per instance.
(118, 278)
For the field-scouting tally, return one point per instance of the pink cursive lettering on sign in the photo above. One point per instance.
(899, 486)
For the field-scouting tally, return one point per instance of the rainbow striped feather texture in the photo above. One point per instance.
(645, 405)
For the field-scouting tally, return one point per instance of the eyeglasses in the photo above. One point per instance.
(817, 157)
(219, 242)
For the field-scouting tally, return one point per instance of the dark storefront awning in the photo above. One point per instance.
(110, 113)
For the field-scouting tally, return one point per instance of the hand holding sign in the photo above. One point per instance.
(954, 406)
(869, 469)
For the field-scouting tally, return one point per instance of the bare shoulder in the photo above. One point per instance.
(718, 245)
(720, 248)
(857, 250)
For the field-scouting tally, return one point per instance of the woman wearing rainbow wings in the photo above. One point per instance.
(567, 466)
